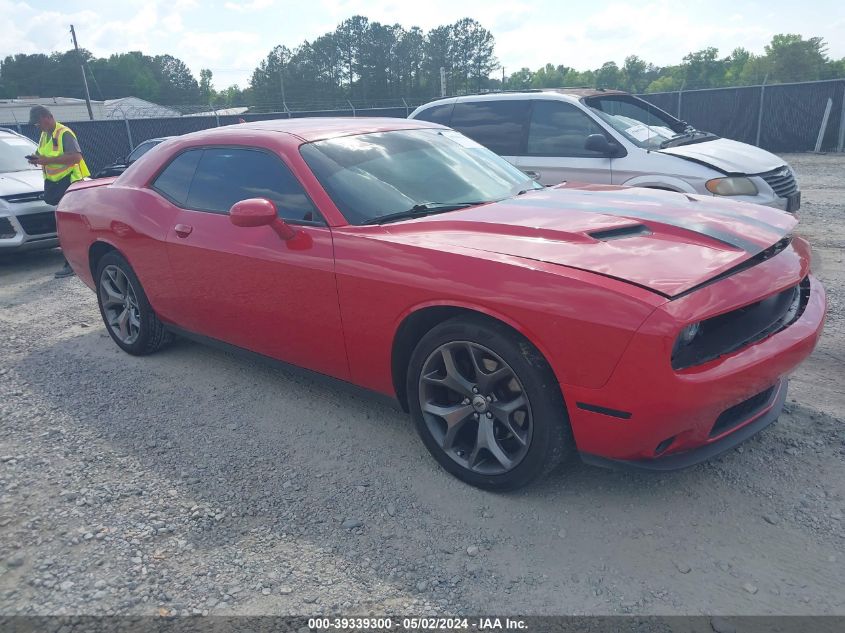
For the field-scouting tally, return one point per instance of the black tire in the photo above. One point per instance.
(151, 334)
(545, 440)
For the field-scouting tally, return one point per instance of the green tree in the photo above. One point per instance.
(438, 54)
(665, 83)
(206, 88)
(410, 60)
(734, 65)
(24, 75)
(634, 74)
(703, 69)
(473, 56)
(792, 58)
(520, 80)
(549, 76)
(269, 78)
(608, 76)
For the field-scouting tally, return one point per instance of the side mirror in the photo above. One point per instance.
(259, 212)
(599, 143)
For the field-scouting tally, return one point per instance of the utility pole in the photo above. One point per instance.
(84, 79)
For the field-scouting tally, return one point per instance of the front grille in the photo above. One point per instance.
(38, 223)
(19, 198)
(741, 412)
(6, 229)
(781, 180)
(734, 330)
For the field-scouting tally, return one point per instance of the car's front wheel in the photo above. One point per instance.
(126, 311)
(487, 404)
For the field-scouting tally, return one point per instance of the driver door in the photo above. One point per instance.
(245, 285)
(555, 152)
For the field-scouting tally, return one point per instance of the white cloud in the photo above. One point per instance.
(232, 36)
(173, 23)
(254, 5)
(655, 31)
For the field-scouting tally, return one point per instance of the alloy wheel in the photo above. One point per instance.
(475, 407)
(120, 305)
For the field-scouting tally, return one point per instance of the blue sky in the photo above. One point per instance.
(231, 36)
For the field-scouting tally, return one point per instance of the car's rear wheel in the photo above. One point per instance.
(486, 404)
(126, 311)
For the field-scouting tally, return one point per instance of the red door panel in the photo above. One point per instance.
(250, 288)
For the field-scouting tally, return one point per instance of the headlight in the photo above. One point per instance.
(732, 186)
(689, 333)
(686, 337)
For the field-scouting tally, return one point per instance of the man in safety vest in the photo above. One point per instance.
(60, 158)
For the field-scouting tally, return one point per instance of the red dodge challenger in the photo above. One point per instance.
(517, 324)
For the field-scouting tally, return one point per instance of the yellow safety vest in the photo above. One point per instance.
(51, 145)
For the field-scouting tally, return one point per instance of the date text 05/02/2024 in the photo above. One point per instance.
(417, 624)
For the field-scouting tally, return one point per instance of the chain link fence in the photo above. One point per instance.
(798, 117)
(104, 142)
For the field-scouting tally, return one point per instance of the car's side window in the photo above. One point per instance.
(498, 125)
(175, 180)
(226, 175)
(560, 129)
(437, 114)
(139, 151)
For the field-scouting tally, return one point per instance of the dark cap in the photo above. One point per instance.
(37, 112)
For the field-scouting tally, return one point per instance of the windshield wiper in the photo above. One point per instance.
(686, 137)
(423, 209)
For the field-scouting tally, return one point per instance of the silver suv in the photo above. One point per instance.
(612, 137)
(26, 221)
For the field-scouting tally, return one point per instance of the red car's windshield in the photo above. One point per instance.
(370, 176)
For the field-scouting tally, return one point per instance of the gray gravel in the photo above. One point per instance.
(196, 482)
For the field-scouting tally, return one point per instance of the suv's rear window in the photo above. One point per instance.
(498, 125)
(437, 114)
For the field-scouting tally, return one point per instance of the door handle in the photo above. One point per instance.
(183, 230)
(533, 175)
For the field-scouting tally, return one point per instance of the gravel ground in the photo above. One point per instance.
(197, 482)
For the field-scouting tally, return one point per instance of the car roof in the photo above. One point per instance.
(570, 93)
(5, 130)
(320, 128)
(587, 92)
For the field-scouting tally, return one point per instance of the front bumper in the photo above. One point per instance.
(28, 229)
(647, 411)
(759, 419)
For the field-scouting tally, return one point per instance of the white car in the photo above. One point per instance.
(26, 221)
(612, 137)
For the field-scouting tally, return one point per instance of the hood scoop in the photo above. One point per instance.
(618, 233)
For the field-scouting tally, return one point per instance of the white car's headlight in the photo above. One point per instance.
(732, 186)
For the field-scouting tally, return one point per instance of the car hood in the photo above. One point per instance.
(731, 157)
(664, 241)
(15, 182)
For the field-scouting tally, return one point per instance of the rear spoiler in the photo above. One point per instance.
(88, 183)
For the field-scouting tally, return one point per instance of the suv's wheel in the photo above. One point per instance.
(486, 404)
(127, 313)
